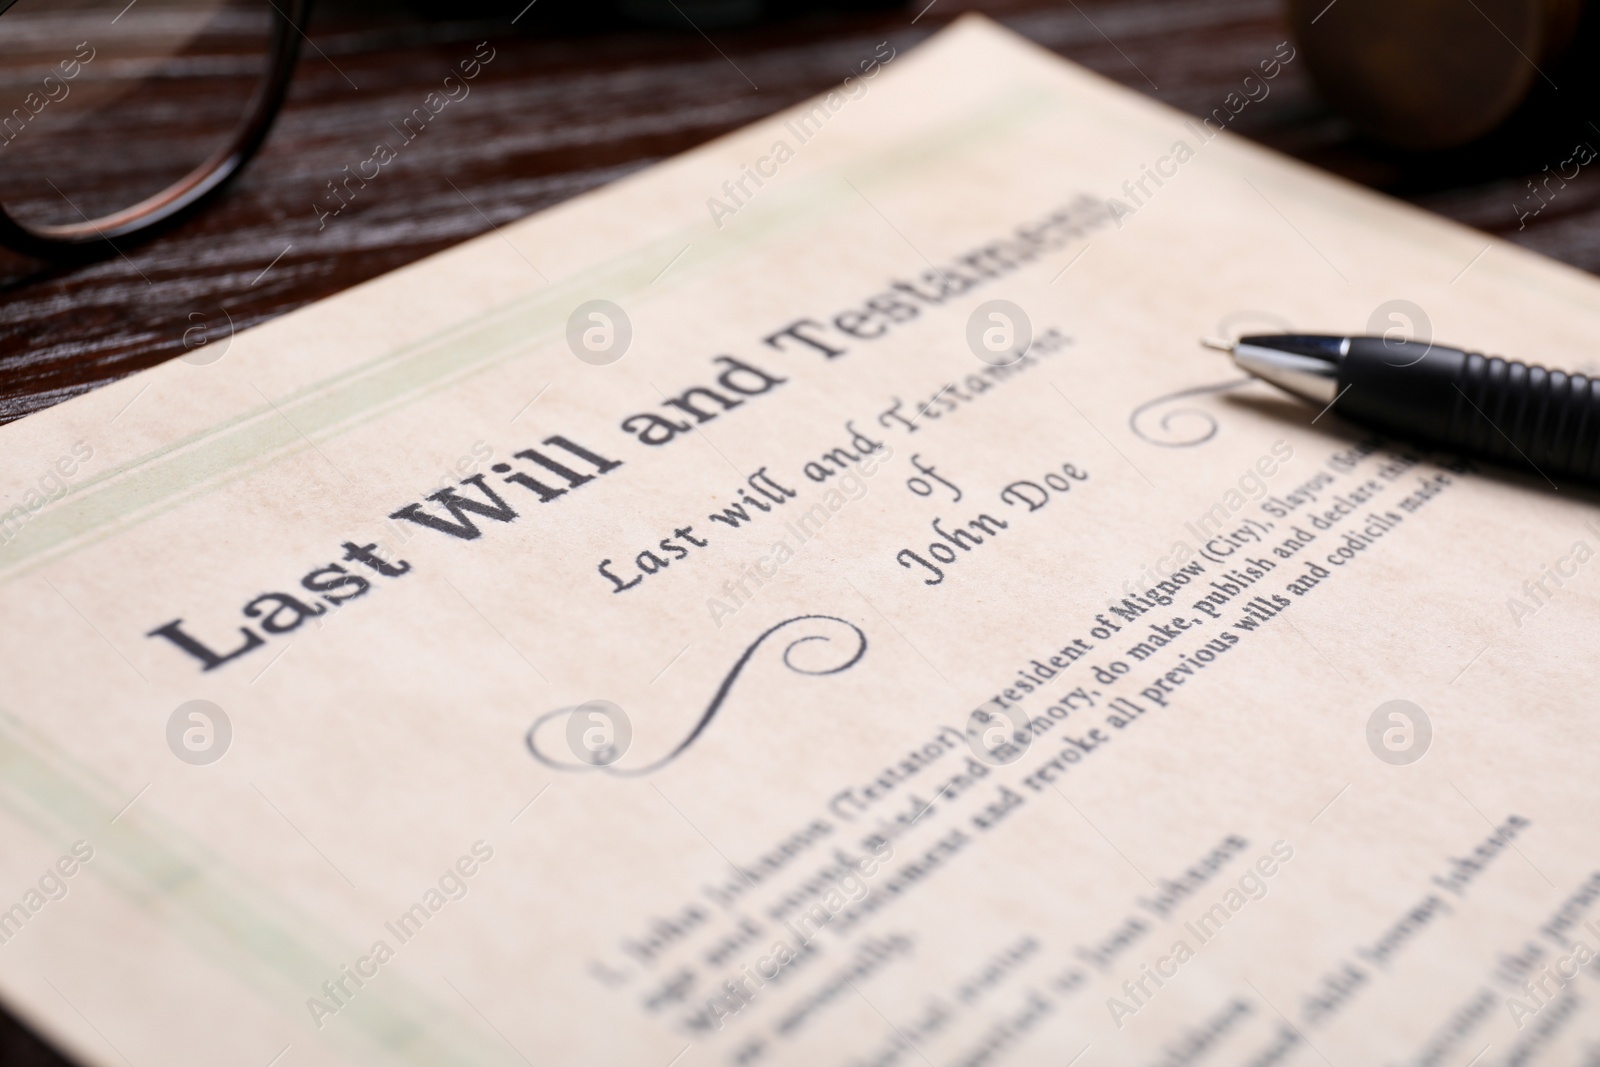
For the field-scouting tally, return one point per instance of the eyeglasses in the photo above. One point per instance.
(117, 117)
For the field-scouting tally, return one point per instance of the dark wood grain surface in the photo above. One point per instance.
(559, 111)
(562, 110)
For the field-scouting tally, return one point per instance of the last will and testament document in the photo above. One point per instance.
(814, 603)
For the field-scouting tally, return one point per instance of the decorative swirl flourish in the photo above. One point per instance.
(853, 654)
(1199, 434)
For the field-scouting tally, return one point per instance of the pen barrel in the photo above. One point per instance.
(1518, 414)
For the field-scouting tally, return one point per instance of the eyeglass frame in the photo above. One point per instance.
(92, 238)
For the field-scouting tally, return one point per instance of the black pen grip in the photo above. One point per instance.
(1519, 414)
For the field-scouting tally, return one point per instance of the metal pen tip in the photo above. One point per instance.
(1218, 344)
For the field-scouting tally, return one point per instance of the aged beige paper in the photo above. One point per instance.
(873, 633)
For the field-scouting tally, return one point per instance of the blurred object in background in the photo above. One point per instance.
(116, 116)
(1432, 74)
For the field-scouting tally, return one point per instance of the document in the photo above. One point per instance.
(815, 602)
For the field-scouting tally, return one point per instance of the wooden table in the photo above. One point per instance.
(559, 111)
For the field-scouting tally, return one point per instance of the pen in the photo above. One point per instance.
(1434, 395)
